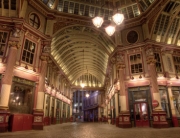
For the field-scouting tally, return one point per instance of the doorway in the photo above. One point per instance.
(141, 114)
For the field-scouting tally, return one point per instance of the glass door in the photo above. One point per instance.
(141, 114)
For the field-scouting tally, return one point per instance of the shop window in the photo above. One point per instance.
(21, 99)
(28, 52)
(34, 21)
(136, 63)
(177, 64)
(47, 103)
(176, 100)
(164, 100)
(6, 4)
(158, 62)
(3, 39)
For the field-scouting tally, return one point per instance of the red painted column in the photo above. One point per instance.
(159, 116)
(38, 113)
(6, 85)
(124, 116)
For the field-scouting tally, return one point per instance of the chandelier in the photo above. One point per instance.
(117, 18)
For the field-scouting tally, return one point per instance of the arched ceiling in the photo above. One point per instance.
(79, 50)
(167, 25)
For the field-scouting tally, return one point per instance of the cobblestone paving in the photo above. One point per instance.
(93, 130)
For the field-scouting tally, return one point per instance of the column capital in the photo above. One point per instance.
(151, 60)
(120, 66)
(14, 44)
(44, 57)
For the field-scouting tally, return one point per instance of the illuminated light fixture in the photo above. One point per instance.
(98, 21)
(140, 76)
(87, 95)
(34, 70)
(26, 67)
(117, 18)
(110, 30)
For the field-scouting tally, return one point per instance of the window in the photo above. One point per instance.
(28, 52)
(47, 103)
(6, 4)
(34, 21)
(136, 63)
(164, 100)
(21, 96)
(176, 100)
(158, 62)
(13, 4)
(3, 39)
(177, 64)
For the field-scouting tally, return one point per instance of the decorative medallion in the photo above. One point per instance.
(126, 119)
(155, 118)
(162, 118)
(38, 119)
(132, 37)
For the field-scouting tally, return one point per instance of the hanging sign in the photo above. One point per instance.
(155, 103)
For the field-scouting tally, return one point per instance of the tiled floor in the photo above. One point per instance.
(93, 130)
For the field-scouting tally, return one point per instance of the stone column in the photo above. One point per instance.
(159, 116)
(124, 117)
(38, 112)
(6, 83)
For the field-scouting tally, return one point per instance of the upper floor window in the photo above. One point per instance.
(28, 52)
(136, 63)
(6, 4)
(177, 63)
(158, 62)
(34, 21)
(13, 4)
(3, 39)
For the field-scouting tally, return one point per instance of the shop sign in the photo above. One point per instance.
(155, 103)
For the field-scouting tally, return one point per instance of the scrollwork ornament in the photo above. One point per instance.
(14, 44)
(120, 66)
(149, 52)
(120, 58)
(44, 58)
(151, 60)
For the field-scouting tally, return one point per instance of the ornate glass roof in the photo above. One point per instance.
(91, 8)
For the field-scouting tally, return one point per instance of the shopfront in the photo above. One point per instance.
(140, 106)
(21, 104)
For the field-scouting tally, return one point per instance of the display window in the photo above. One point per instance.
(46, 106)
(57, 111)
(21, 96)
(176, 100)
(164, 100)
